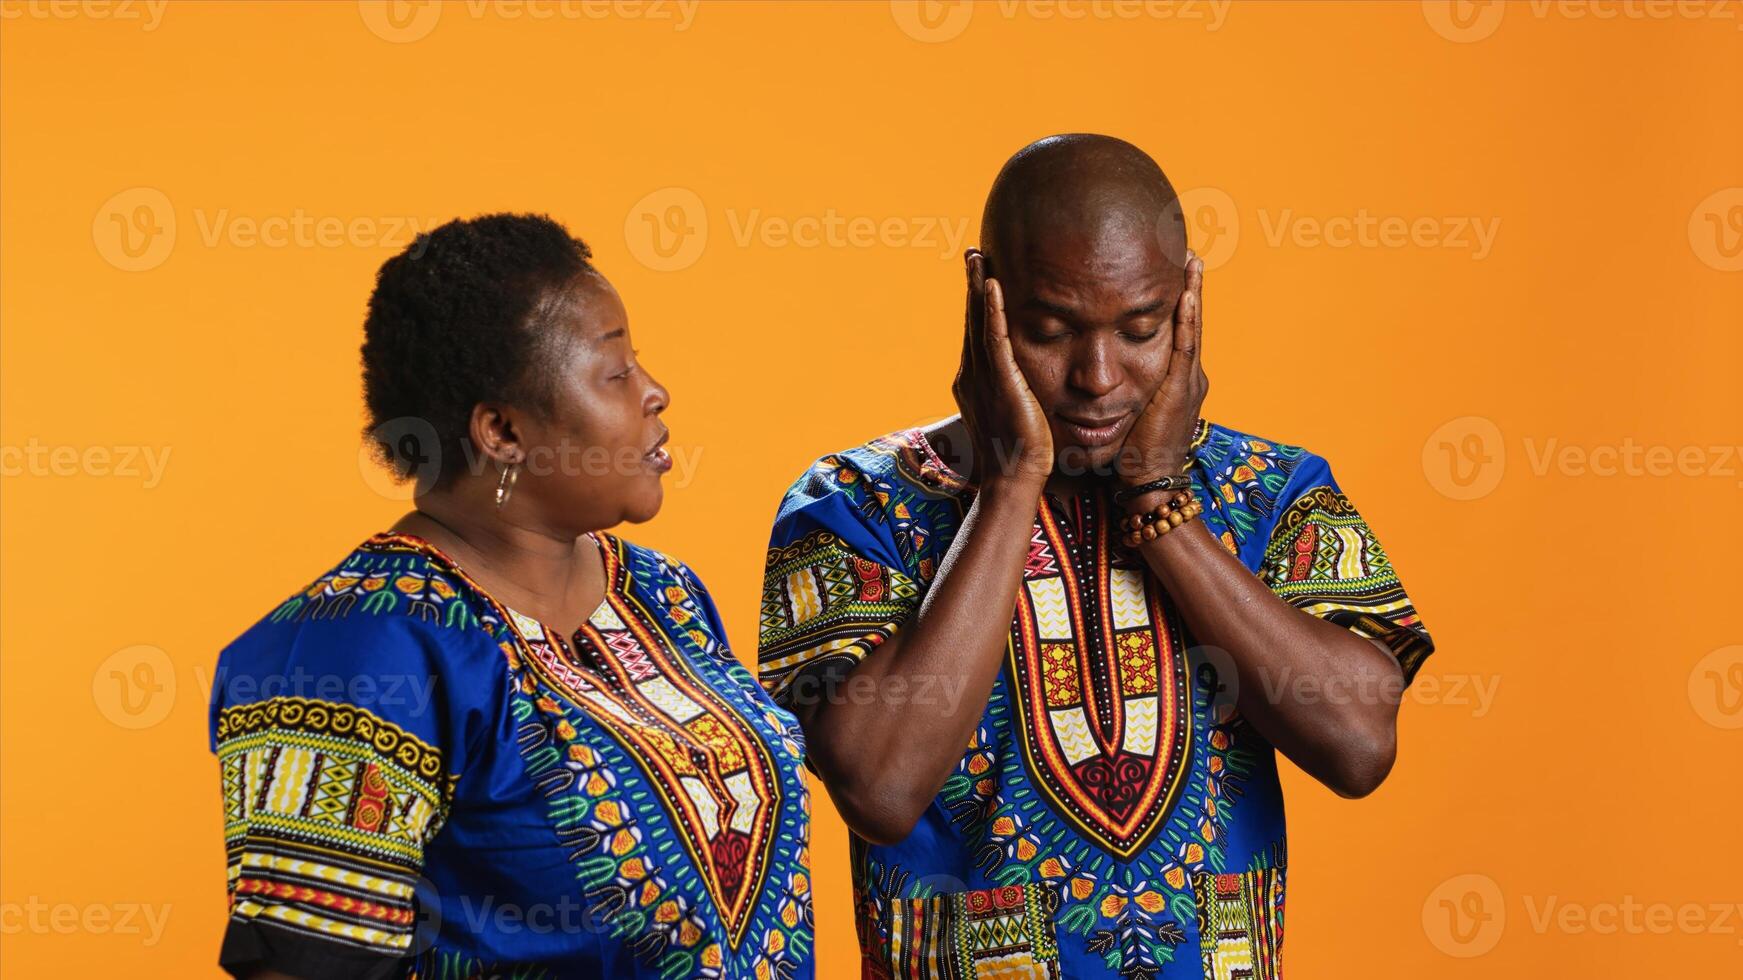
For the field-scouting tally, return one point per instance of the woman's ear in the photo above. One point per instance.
(495, 435)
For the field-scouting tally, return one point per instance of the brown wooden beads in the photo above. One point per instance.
(1152, 524)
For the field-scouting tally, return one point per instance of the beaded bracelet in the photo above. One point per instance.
(1152, 524)
(1177, 482)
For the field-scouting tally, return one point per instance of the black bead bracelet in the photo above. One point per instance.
(1178, 482)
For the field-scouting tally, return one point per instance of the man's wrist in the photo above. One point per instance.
(1128, 494)
(1152, 467)
(1015, 491)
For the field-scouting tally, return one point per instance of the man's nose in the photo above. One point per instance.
(1094, 369)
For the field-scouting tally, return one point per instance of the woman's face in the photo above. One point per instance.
(596, 459)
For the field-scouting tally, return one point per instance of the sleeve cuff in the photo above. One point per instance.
(252, 946)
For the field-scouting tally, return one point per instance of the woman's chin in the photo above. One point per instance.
(646, 506)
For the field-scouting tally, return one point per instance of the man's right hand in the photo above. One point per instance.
(883, 759)
(1006, 426)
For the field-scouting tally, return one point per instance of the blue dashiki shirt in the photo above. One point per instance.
(1111, 816)
(421, 782)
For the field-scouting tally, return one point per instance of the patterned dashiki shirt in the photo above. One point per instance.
(1111, 816)
(421, 782)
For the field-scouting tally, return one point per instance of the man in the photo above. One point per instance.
(1043, 684)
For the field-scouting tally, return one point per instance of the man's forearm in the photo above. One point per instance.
(1324, 696)
(885, 757)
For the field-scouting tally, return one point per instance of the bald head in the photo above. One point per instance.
(1099, 191)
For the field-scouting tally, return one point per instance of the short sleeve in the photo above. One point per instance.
(1323, 558)
(336, 742)
(834, 586)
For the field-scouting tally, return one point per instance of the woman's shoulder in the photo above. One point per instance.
(394, 597)
(389, 578)
(392, 644)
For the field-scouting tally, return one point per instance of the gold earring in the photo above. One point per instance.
(505, 485)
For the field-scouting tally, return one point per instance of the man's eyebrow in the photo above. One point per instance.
(1067, 313)
(1145, 310)
(1051, 309)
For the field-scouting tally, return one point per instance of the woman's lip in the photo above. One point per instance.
(1102, 433)
(657, 457)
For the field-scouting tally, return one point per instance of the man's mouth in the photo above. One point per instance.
(657, 457)
(1092, 430)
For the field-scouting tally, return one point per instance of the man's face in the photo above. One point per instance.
(1091, 314)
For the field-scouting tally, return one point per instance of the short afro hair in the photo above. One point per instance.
(457, 319)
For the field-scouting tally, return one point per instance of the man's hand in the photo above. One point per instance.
(884, 758)
(1349, 746)
(1006, 426)
(1157, 445)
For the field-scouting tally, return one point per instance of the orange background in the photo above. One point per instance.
(1604, 313)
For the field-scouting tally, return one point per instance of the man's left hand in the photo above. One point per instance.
(1157, 445)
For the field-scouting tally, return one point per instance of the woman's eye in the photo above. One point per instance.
(628, 370)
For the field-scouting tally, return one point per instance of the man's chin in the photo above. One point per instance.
(1074, 460)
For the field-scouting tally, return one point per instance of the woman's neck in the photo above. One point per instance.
(549, 576)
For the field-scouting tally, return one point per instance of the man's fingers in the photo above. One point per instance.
(973, 314)
(1001, 360)
(977, 310)
(1195, 278)
(1189, 323)
(995, 310)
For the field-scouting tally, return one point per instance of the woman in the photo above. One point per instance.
(498, 740)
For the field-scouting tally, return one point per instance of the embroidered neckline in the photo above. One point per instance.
(610, 555)
(915, 440)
